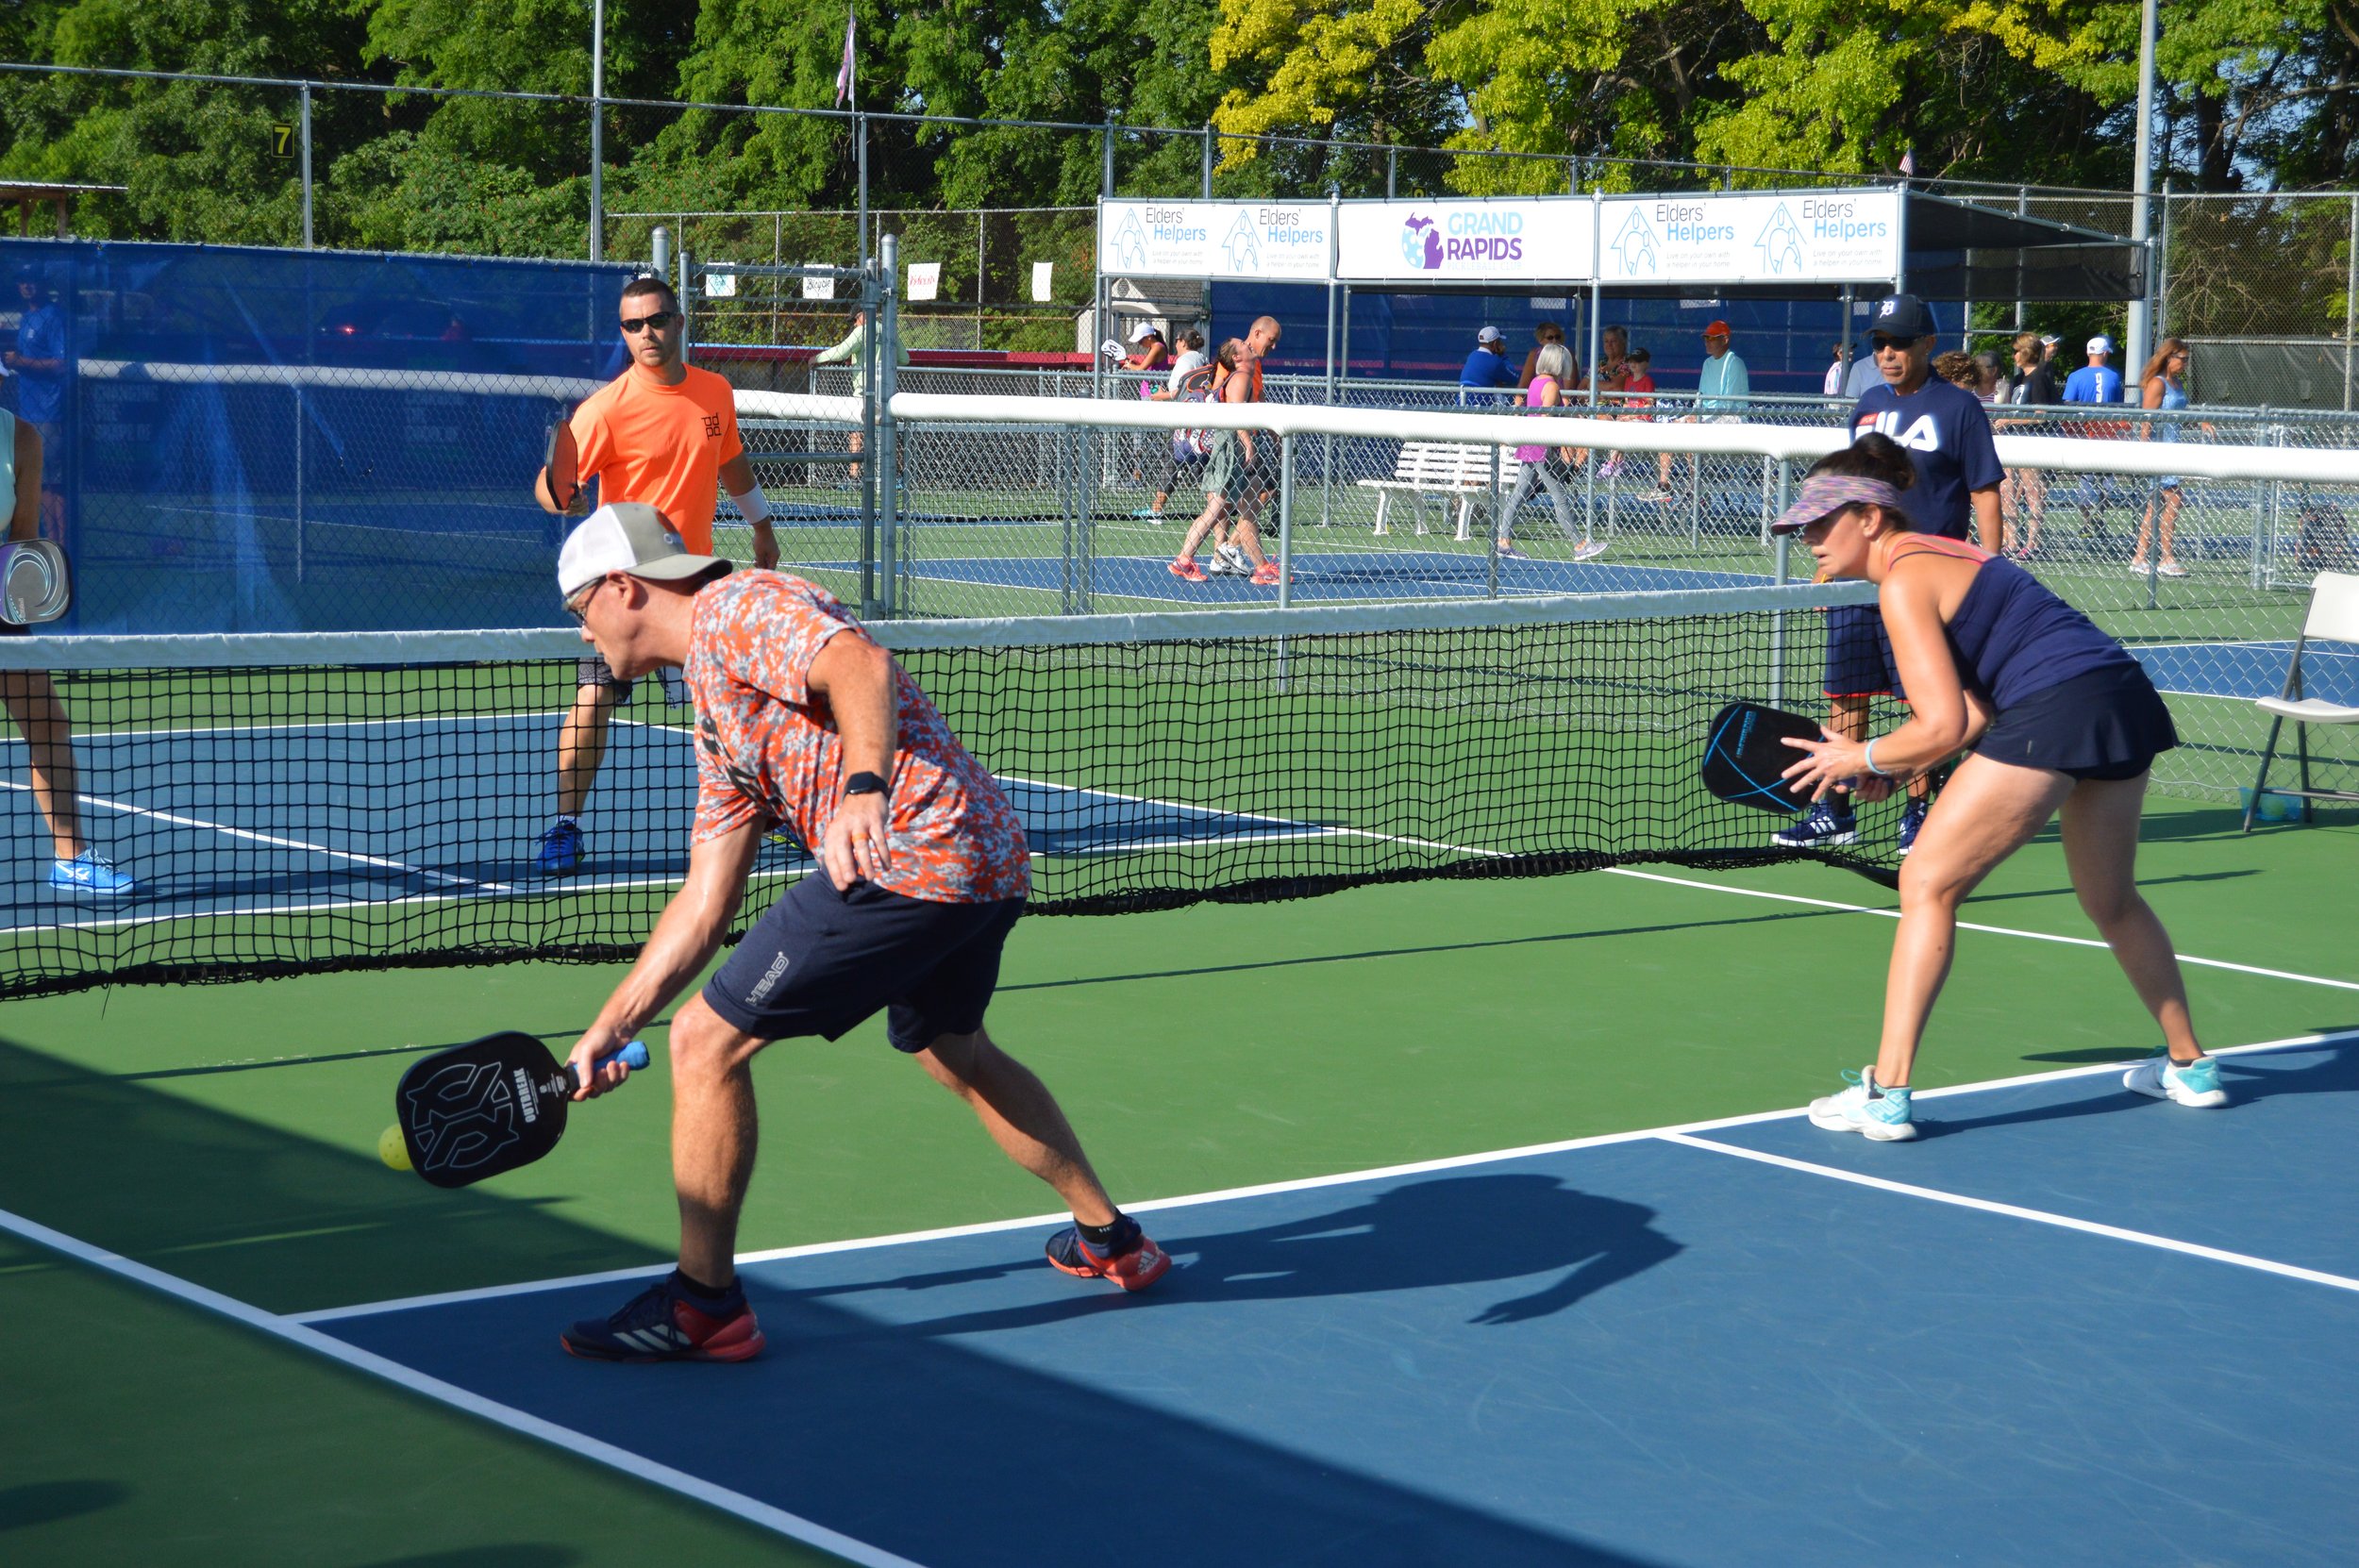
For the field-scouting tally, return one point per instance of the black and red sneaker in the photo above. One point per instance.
(1132, 1261)
(667, 1322)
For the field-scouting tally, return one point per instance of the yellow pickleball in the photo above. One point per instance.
(391, 1150)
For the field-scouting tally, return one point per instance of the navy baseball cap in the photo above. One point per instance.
(1902, 316)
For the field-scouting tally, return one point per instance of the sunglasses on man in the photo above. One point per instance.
(654, 321)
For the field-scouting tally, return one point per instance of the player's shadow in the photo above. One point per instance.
(2335, 1071)
(45, 1502)
(1554, 1244)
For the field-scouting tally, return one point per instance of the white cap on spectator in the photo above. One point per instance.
(1489, 335)
(1146, 329)
(2100, 344)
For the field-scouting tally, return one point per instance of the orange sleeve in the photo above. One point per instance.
(593, 434)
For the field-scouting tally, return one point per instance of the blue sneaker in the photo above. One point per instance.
(2197, 1084)
(91, 873)
(1826, 827)
(561, 850)
(664, 1323)
(1879, 1114)
(1912, 818)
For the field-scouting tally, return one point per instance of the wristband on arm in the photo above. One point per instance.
(753, 505)
(865, 784)
(1867, 755)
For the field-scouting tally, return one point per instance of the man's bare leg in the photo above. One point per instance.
(581, 747)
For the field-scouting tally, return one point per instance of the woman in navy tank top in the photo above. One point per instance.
(2056, 716)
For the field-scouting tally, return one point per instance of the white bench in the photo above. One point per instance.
(1443, 468)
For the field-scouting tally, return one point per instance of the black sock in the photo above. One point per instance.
(1105, 1240)
(701, 1291)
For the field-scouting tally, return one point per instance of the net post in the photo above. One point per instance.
(1784, 548)
(1285, 520)
(887, 348)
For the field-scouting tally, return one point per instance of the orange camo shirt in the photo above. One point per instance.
(661, 445)
(767, 747)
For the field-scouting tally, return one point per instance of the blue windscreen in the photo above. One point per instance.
(242, 439)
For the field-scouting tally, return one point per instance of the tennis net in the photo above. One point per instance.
(293, 802)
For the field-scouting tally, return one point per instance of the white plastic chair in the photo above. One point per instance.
(2333, 618)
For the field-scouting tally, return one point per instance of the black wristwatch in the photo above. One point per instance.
(865, 784)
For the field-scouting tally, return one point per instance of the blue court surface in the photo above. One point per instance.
(2069, 1326)
(301, 817)
(2250, 670)
(1323, 575)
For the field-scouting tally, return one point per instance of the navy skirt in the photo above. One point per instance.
(2109, 723)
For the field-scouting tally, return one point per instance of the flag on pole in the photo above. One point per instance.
(1908, 159)
(844, 75)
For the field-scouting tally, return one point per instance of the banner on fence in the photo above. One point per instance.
(1709, 237)
(1526, 239)
(1288, 240)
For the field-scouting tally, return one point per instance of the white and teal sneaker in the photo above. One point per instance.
(2197, 1084)
(1881, 1115)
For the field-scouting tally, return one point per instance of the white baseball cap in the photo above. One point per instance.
(628, 536)
(2100, 344)
(1488, 335)
(1146, 329)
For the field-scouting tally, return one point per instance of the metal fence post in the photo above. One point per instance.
(308, 173)
(1285, 520)
(871, 605)
(598, 130)
(2351, 292)
(859, 139)
(1391, 171)
(1783, 575)
(1106, 151)
(887, 337)
(1207, 184)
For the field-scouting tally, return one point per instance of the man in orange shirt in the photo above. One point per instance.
(663, 433)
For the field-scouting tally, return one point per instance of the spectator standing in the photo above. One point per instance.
(1487, 369)
(848, 351)
(1838, 371)
(2096, 382)
(2163, 386)
(1947, 435)
(1534, 465)
(2024, 493)
(1189, 374)
(1992, 376)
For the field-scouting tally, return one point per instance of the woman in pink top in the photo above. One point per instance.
(1533, 468)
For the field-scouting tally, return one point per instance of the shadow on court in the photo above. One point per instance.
(46, 1502)
(2335, 1071)
(535, 1555)
(253, 1211)
(1443, 1231)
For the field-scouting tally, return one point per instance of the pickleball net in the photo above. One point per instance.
(290, 803)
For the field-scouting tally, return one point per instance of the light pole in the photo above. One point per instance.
(598, 130)
(2142, 183)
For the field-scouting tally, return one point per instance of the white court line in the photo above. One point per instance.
(1973, 925)
(1270, 1189)
(276, 842)
(753, 1511)
(2016, 1212)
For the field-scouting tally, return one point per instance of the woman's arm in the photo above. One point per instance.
(1942, 720)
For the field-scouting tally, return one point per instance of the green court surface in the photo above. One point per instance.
(225, 1136)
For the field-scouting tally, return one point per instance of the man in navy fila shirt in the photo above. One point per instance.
(1949, 443)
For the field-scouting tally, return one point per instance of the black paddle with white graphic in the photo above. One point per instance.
(489, 1105)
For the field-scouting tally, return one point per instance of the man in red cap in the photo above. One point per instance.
(1722, 391)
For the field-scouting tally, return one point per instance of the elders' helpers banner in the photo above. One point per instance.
(1175, 239)
(1704, 238)
(1522, 238)
(1831, 237)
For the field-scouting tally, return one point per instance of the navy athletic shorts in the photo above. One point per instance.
(2108, 724)
(1859, 656)
(820, 961)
